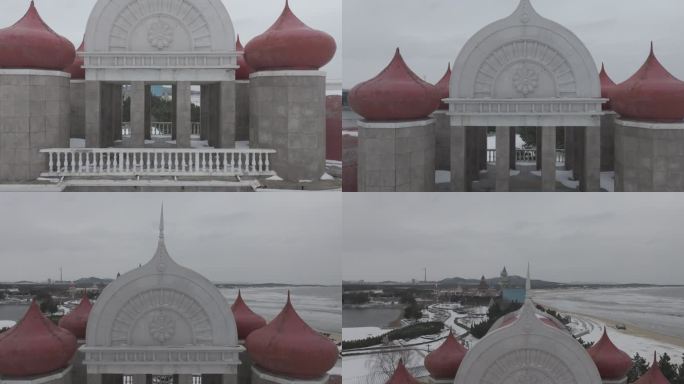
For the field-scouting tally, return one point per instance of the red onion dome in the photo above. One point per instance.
(612, 363)
(246, 320)
(395, 94)
(31, 44)
(442, 87)
(290, 44)
(76, 68)
(401, 375)
(607, 86)
(245, 70)
(651, 94)
(35, 346)
(654, 375)
(443, 362)
(77, 320)
(289, 347)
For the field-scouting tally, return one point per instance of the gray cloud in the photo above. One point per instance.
(566, 237)
(432, 32)
(250, 18)
(278, 237)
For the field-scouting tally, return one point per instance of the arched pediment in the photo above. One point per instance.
(166, 316)
(525, 65)
(157, 36)
(528, 351)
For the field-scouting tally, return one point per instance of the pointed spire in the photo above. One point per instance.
(161, 223)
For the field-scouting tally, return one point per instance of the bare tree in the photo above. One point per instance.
(384, 364)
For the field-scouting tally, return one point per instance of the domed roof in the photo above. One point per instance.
(651, 94)
(289, 347)
(290, 44)
(442, 87)
(607, 86)
(32, 44)
(76, 321)
(402, 376)
(245, 70)
(654, 375)
(397, 93)
(443, 362)
(76, 68)
(612, 363)
(245, 319)
(35, 346)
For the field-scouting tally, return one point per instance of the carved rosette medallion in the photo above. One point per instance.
(528, 366)
(525, 80)
(162, 327)
(160, 35)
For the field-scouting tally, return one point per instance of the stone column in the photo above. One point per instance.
(578, 153)
(608, 141)
(592, 159)
(226, 115)
(174, 111)
(138, 114)
(94, 378)
(77, 115)
(106, 129)
(93, 114)
(548, 159)
(483, 148)
(214, 104)
(503, 167)
(204, 112)
(140, 379)
(569, 149)
(116, 112)
(512, 155)
(181, 100)
(459, 174)
(148, 112)
(242, 110)
(442, 140)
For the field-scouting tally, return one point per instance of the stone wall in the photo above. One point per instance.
(608, 142)
(396, 157)
(34, 110)
(287, 113)
(350, 166)
(333, 127)
(649, 157)
(77, 119)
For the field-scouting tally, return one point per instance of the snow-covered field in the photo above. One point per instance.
(320, 307)
(7, 324)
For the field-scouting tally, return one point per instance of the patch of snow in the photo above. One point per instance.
(305, 181)
(326, 176)
(442, 177)
(350, 133)
(172, 142)
(514, 172)
(242, 144)
(7, 324)
(151, 142)
(608, 181)
(333, 163)
(359, 333)
(199, 144)
(491, 142)
(275, 178)
(77, 143)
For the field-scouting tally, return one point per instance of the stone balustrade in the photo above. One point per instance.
(526, 155)
(161, 128)
(79, 162)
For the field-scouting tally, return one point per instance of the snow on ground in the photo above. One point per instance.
(242, 144)
(608, 181)
(7, 324)
(491, 142)
(326, 176)
(350, 133)
(565, 177)
(591, 330)
(77, 143)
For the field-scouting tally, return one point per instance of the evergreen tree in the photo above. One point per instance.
(669, 370)
(639, 368)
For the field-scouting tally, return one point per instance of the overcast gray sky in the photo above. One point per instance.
(250, 18)
(241, 237)
(566, 237)
(431, 33)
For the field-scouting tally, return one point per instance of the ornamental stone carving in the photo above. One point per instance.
(162, 327)
(528, 366)
(525, 80)
(160, 34)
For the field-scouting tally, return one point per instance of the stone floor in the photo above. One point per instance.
(522, 180)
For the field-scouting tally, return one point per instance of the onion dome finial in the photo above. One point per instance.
(32, 44)
(76, 321)
(651, 94)
(396, 93)
(653, 375)
(290, 44)
(76, 68)
(35, 346)
(245, 70)
(401, 375)
(612, 363)
(288, 346)
(443, 362)
(245, 319)
(443, 88)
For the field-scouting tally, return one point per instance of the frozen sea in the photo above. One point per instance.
(658, 309)
(320, 307)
